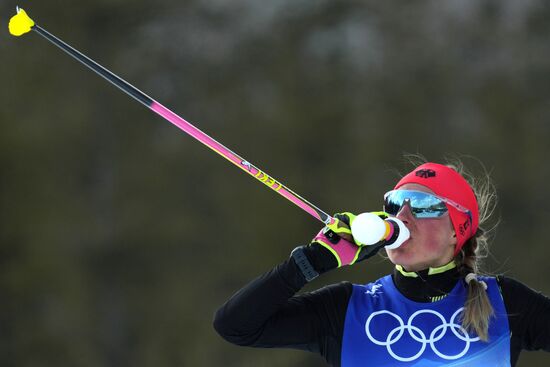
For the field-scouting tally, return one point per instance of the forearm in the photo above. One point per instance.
(243, 318)
(266, 313)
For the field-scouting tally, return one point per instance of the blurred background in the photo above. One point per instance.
(121, 236)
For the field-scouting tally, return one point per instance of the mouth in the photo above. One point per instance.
(404, 244)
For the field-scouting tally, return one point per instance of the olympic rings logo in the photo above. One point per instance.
(418, 335)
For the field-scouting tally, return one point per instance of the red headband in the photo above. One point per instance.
(448, 183)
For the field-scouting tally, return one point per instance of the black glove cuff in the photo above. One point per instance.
(320, 257)
(303, 263)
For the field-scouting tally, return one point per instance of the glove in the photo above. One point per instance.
(338, 239)
(334, 247)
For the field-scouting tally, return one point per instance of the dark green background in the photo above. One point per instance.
(120, 235)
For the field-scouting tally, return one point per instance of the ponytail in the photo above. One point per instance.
(477, 309)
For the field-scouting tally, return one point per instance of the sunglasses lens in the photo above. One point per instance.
(392, 203)
(422, 205)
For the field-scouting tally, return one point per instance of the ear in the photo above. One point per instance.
(453, 239)
(453, 234)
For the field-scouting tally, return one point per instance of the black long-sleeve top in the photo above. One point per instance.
(267, 313)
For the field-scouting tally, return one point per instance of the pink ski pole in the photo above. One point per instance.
(21, 24)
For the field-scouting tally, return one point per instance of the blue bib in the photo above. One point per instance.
(384, 328)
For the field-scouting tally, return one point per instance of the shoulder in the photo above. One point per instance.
(340, 293)
(374, 288)
(337, 292)
(344, 287)
(519, 296)
(510, 285)
(506, 285)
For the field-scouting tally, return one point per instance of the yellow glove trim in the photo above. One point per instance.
(356, 255)
(339, 226)
(328, 247)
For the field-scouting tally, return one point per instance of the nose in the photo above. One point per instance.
(405, 214)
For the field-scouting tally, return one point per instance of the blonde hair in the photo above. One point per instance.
(477, 309)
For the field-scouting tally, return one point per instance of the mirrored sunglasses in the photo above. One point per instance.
(422, 204)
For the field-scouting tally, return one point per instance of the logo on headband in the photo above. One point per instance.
(464, 227)
(425, 173)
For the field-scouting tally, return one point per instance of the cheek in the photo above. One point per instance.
(435, 238)
(439, 242)
(433, 246)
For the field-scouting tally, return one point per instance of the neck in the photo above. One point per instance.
(426, 285)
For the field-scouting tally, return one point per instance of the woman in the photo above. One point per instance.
(433, 310)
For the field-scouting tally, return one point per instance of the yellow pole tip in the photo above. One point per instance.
(20, 23)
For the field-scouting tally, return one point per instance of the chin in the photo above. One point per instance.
(400, 256)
